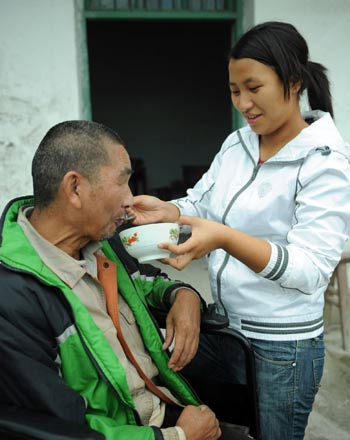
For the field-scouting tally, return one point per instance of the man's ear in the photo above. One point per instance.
(72, 186)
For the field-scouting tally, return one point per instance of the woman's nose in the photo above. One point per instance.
(243, 102)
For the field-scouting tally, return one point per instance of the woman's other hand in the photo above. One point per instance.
(206, 236)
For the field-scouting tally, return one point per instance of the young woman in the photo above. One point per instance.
(273, 214)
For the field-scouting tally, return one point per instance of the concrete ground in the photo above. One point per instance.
(330, 418)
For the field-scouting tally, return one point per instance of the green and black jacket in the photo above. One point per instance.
(54, 358)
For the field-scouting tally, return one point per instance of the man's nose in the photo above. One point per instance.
(128, 199)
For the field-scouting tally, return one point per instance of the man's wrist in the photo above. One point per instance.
(175, 433)
(181, 433)
(185, 290)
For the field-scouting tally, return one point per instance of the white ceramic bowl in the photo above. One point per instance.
(141, 242)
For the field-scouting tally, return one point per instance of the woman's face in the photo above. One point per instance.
(257, 93)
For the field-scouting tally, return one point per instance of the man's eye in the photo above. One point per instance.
(235, 92)
(254, 89)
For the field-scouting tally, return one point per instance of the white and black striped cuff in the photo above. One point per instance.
(277, 264)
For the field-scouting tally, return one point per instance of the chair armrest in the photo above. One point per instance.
(213, 323)
(21, 423)
(211, 320)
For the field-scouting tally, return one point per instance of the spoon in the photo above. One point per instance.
(128, 217)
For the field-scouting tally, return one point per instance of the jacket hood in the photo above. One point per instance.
(16, 250)
(9, 225)
(320, 133)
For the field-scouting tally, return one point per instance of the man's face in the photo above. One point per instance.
(107, 197)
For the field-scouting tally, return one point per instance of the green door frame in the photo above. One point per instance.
(82, 15)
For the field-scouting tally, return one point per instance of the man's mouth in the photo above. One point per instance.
(119, 221)
(125, 219)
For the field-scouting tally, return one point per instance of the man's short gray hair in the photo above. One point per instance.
(69, 146)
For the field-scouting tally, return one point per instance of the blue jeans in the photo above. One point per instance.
(288, 377)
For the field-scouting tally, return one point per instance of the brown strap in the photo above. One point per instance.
(107, 275)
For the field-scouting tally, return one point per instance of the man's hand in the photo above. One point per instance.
(199, 423)
(183, 322)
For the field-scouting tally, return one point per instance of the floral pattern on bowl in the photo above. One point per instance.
(173, 234)
(129, 240)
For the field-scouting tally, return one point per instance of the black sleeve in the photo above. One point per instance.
(29, 358)
(157, 433)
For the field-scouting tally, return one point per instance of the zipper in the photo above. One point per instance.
(103, 377)
(325, 151)
(183, 378)
(223, 220)
(161, 336)
(227, 256)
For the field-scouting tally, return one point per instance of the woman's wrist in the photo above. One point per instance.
(172, 212)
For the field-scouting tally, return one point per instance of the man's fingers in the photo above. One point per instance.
(180, 353)
(175, 357)
(169, 336)
(184, 352)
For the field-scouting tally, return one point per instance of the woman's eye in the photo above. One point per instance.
(235, 92)
(254, 89)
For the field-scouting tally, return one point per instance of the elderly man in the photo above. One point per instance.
(66, 347)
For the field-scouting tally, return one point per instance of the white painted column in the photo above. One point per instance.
(39, 84)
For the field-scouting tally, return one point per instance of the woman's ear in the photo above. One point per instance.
(295, 87)
(72, 187)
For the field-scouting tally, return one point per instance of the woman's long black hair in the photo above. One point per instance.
(280, 46)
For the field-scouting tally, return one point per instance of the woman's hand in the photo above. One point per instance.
(206, 236)
(149, 209)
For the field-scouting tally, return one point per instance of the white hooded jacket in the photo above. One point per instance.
(298, 200)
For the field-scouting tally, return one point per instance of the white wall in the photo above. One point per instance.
(325, 26)
(41, 65)
(38, 83)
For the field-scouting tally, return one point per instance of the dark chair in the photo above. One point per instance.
(23, 424)
(236, 404)
(233, 403)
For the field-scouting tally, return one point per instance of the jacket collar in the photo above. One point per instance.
(321, 132)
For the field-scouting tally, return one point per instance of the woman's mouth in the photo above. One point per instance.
(252, 119)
